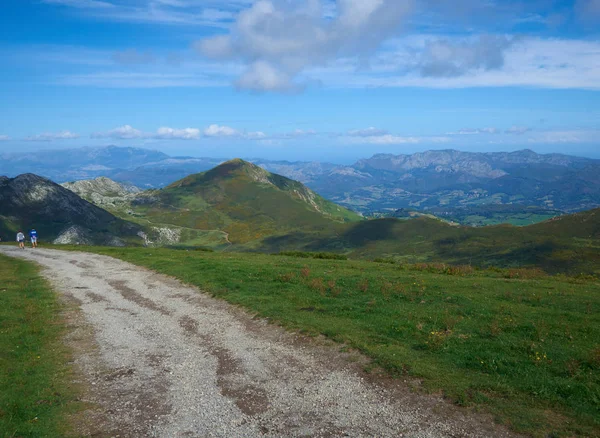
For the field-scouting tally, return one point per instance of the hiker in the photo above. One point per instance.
(21, 239)
(33, 237)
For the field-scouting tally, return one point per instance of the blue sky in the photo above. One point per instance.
(301, 80)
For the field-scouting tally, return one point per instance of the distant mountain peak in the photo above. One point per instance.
(239, 168)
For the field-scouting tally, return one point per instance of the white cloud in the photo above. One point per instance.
(215, 131)
(448, 58)
(177, 134)
(278, 40)
(258, 135)
(263, 76)
(533, 62)
(125, 132)
(4, 138)
(220, 131)
(51, 136)
(369, 132)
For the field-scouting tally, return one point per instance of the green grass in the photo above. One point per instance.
(35, 396)
(516, 343)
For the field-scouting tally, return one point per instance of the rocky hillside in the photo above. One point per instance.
(59, 215)
(103, 191)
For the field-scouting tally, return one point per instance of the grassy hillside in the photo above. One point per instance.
(569, 244)
(242, 200)
(516, 343)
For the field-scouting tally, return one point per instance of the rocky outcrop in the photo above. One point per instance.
(103, 191)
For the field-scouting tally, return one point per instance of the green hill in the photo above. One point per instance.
(568, 244)
(243, 200)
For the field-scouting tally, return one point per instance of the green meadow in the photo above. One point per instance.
(35, 392)
(516, 343)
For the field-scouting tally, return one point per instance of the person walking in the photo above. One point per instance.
(21, 239)
(34, 238)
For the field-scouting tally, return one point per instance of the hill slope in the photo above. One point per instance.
(242, 199)
(569, 244)
(30, 201)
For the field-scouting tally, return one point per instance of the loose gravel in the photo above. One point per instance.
(161, 359)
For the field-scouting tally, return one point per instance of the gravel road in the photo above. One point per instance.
(160, 359)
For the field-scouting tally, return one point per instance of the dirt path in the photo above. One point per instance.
(162, 359)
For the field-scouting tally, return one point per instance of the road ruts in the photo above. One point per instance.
(164, 360)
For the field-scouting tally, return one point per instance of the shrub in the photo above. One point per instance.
(382, 260)
(525, 273)
(312, 255)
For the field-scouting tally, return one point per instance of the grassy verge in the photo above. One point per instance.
(35, 396)
(518, 344)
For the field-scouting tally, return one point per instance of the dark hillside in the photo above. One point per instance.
(569, 244)
(30, 201)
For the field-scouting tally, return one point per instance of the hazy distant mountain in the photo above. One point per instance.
(422, 181)
(461, 179)
(59, 215)
(73, 164)
(162, 173)
(305, 172)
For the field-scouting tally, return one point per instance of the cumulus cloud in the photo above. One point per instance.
(517, 130)
(215, 131)
(126, 132)
(278, 40)
(220, 131)
(369, 132)
(177, 134)
(262, 76)
(51, 136)
(445, 58)
(4, 138)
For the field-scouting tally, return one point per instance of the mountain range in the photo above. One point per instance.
(240, 206)
(444, 181)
